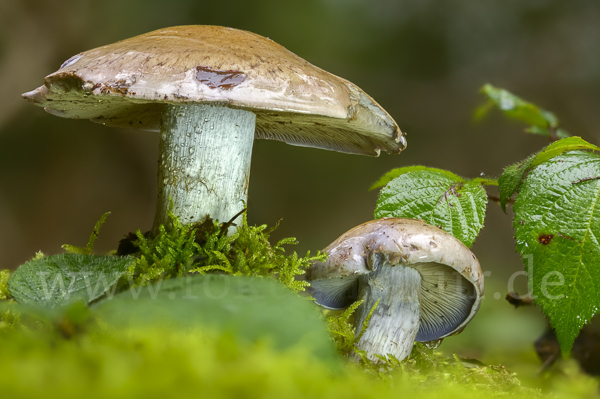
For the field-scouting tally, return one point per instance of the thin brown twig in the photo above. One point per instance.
(497, 199)
(230, 223)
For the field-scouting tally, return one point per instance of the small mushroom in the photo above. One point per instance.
(428, 284)
(211, 91)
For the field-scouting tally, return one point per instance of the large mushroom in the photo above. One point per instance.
(210, 91)
(428, 284)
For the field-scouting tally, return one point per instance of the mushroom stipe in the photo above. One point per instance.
(428, 284)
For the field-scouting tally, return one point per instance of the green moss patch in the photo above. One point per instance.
(206, 248)
(202, 314)
(4, 293)
(199, 363)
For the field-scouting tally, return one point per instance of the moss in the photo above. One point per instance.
(424, 367)
(205, 248)
(76, 357)
(9, 316)
(342, 331)
(4, 293)
(155, 362)
(427, 367)
(89, 247)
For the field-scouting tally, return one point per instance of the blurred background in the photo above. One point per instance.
(422, 60)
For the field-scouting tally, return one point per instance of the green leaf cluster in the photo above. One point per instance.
(541, 121)
(438, 197)
(556, 218)
(557, 225)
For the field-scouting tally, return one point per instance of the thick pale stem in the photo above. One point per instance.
(204, 166)
(395, 321)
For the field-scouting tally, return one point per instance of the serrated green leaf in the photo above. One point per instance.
(453, 204)
(511, 178)
(250, 308)
(557, 229)
(60, 280)
(516, 108)
(392, 174)
(560, 146)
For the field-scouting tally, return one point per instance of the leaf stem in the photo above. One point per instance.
(497, 199)
(585, 179)
(553, 134)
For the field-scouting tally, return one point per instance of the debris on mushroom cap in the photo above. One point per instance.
(126, 84)
(445, 265)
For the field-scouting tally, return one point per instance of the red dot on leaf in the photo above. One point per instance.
(545, 239)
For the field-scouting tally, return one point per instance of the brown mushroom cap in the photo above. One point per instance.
(452, 282)
(126, 84)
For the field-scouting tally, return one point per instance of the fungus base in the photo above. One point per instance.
(204, 166)
(395, 322)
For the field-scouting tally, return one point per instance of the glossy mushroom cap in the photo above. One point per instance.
(128, 83)
(450, 275)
